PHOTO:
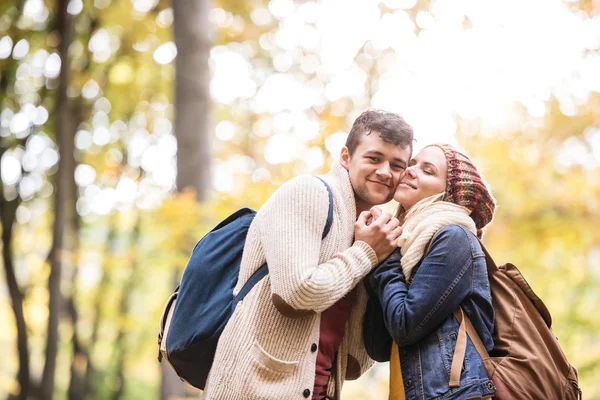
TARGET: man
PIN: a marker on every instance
(298, 333)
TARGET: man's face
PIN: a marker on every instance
(374, 169)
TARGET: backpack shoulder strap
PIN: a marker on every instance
(330, 212)
(489, 261)
(466, 328)
(264, 269)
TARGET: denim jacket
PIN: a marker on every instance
(419, 317)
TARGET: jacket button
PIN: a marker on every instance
(408, 383)
(306, 393)
(490, 385)
(313, 347)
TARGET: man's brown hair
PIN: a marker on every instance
(391, 127)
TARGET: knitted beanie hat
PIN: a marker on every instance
(466, 187)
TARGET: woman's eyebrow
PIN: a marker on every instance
(428, 164)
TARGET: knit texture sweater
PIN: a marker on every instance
(263, 354)
(420, 227)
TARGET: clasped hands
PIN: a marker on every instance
(378, 229)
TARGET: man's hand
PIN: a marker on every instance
(379, 230)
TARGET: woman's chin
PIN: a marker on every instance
(399, 198)
(402, 201)
(400, 204)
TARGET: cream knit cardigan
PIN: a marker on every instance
(263, 354)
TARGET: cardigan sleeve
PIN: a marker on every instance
(291, 227)
(443, 280)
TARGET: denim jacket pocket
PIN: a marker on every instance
(449, 346)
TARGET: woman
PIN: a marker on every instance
(438, 268)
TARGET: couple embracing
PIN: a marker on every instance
(376, 287)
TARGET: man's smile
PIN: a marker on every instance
(380, 183)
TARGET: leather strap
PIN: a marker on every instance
(330, 211)
(466, 328)
(459, 349)
(476, 340)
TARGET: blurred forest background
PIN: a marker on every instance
(128, 128)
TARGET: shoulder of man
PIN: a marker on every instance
(303, 200)
(301, 190)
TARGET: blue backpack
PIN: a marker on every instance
(197, 312)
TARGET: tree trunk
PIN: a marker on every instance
(171, 386)
(61, 252)
(80, 360)
(192, 98)
(192, 105)
(103, 287)
(8, 211)
(120, 348)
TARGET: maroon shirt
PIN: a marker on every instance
(331, 332)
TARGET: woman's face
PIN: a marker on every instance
(424, 177)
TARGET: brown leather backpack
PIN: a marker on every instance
(527, 361)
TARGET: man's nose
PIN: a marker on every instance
(384, 171)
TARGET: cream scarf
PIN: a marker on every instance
(420, 226)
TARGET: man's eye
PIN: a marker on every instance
(375, 159)
(399, 167)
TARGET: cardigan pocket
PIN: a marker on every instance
(269, 377)
(271, 363)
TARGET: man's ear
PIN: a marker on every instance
(345, 158)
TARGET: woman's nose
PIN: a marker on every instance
(409, 172)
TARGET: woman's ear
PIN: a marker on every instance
(345, 158)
